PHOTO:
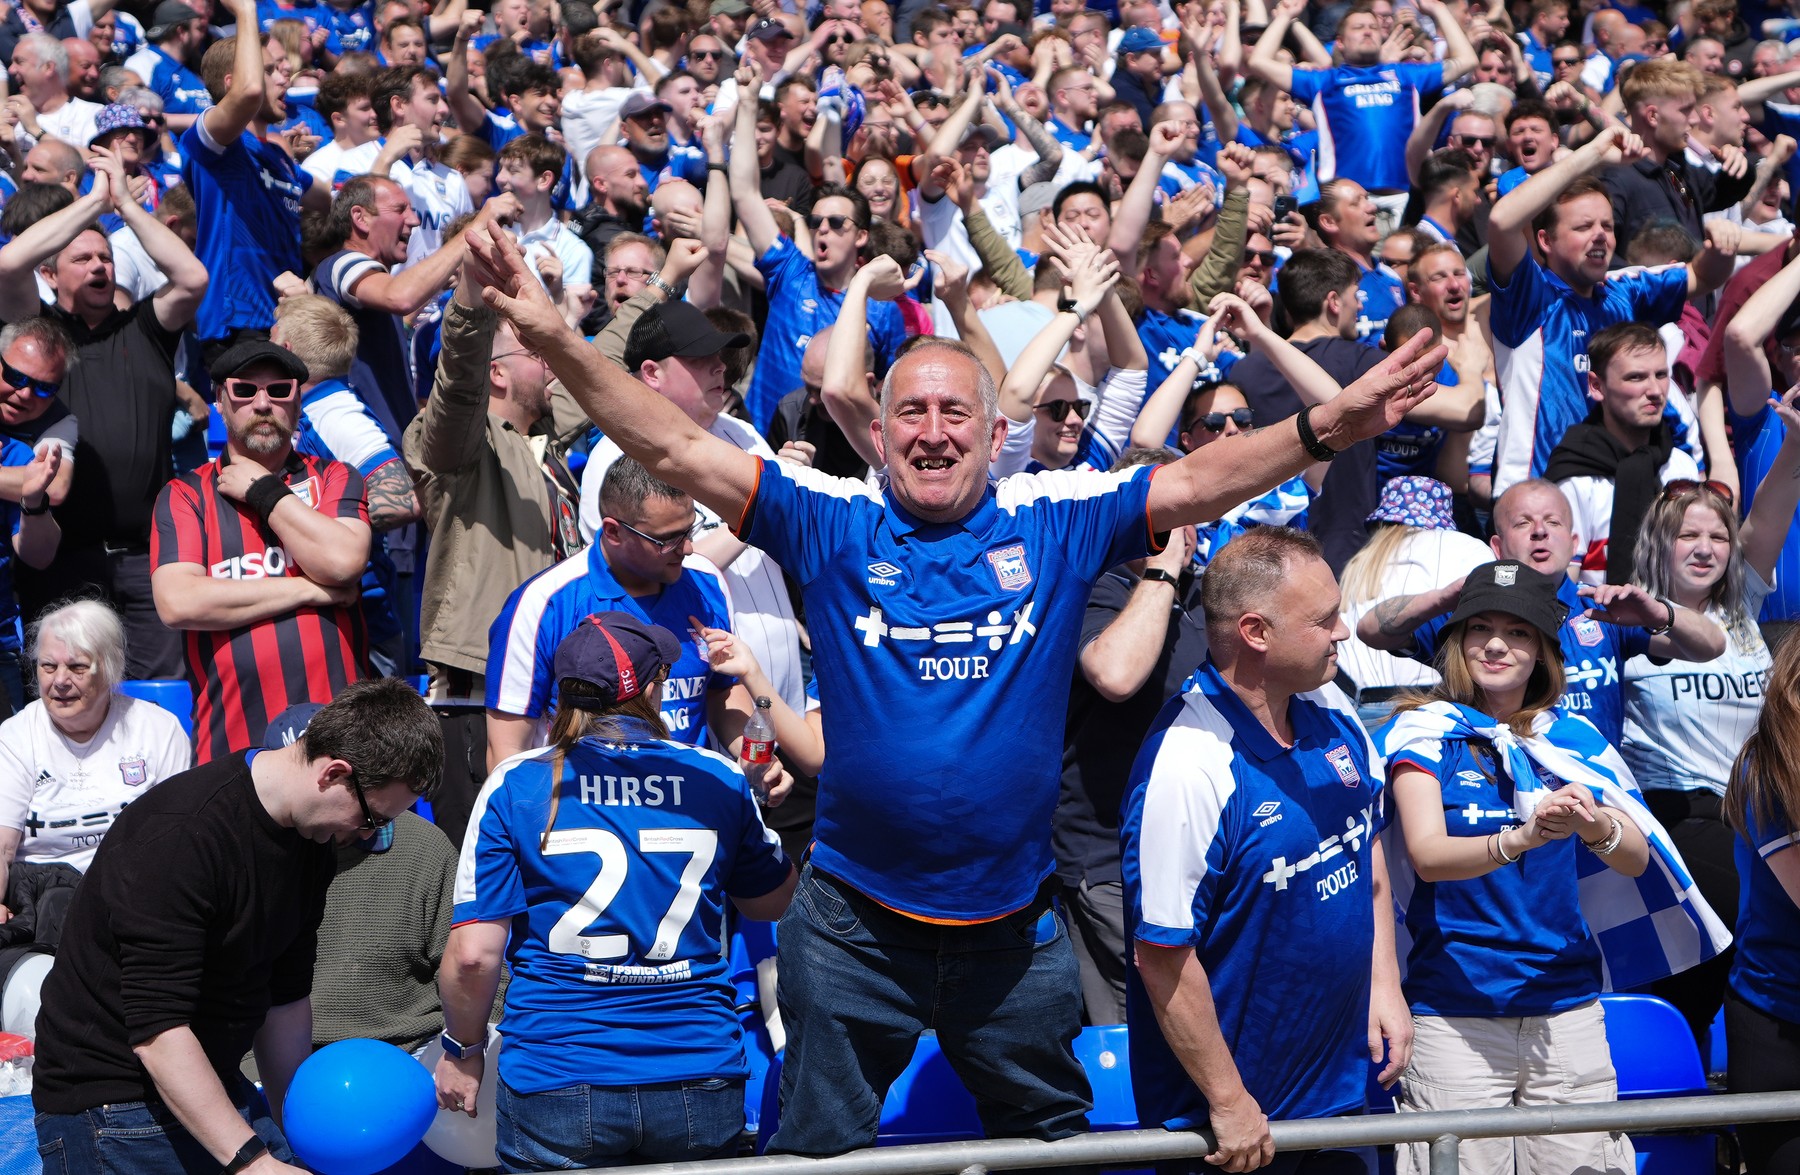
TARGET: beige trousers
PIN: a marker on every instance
(1471, 1063)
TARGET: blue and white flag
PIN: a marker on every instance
(1285, 505)
(1647, 927)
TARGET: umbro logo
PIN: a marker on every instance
(883, 573)
(1267, 813)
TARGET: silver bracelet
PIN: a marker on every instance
(1607, 847)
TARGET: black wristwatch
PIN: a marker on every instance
(1315, 448)
(1158, 575)
(41, 508)
(251, 1151)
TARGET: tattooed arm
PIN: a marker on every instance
(1390, 624)
(392, 501)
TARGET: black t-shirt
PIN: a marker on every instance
(1102, 738)
(198, 910)
(785, 181)
(1351, 490)
(122, 391)
(798, 419)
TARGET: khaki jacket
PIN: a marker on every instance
(484, 493)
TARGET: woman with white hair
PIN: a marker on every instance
(70, 761)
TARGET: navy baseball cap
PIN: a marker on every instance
(286, 730)
(249, 351)
(616, 654)
(768, 30)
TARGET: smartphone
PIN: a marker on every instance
(1284, 206)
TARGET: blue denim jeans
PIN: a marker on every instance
(601, 1126)
(143, 1138)
(859, 983)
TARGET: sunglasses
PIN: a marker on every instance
(1059, 410)
(1265, 256)
(1485, 142)
(246, 389)
(42, 388)
(1565, 61)
(1215, 421)
(707, 54)
(839, 39)
(664, 546)
(371, 822)
(837, 224)
(1680, 486)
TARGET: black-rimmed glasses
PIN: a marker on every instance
(664, 546)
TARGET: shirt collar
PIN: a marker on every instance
(901, 522)
(544, 232)
(608, 594)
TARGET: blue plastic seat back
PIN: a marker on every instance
(1652, 1049)
(929, 1102)
(749, 943)
(1105, 1053)
(1715, 1045)
(172, 694)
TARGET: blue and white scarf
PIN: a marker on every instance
(1647, 927)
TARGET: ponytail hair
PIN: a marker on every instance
(572, 724)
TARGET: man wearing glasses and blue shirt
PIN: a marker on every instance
(642, 562)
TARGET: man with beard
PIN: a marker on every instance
(619, 193)
(257, 556)
(805, 293)
(247, 189)
(176, 36)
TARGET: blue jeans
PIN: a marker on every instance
(143, 1138)
(859, 983)
(600, 1126)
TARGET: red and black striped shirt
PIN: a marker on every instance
(246, 676)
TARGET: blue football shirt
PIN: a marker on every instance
(551, 604)
(799, 308)
(1541, 332)
(618, 973)
(1256, 856)
(1593, 655)
(1379, 293)
(247, 196)
(1509, 943)
(944, 654)
(1755, 440)
(1364, 114)
(1766, 972)
(179, 87)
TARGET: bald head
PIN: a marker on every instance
(675, 195)
(617, 183)
(1607, 24)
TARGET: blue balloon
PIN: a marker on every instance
(357, 1107)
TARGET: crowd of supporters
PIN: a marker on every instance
(1154, 463)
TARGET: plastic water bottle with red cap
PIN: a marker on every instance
(759, 749)
(15, 1065)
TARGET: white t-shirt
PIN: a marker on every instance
(439, 195)
(329, 160)
(761, 612)
(64, 795)
(72, 122)
(1590, 511)
(555, 237)
(586, 115)
(133, 270)
(1686, 720)
(1427, 560)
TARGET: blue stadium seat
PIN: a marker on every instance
(1655, 1056)
(1715, 1045)
(928, 1103)
(215, 434)
(1105, 1053)
(175, 696)
(748, 944)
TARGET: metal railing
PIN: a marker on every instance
(1443, 1130)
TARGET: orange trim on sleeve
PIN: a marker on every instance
(1156, 545)
(744, 518)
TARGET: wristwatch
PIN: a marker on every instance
(1666, 625)
(456, 1050)
(656, 280)
(251, 1151)
(1158, 575)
